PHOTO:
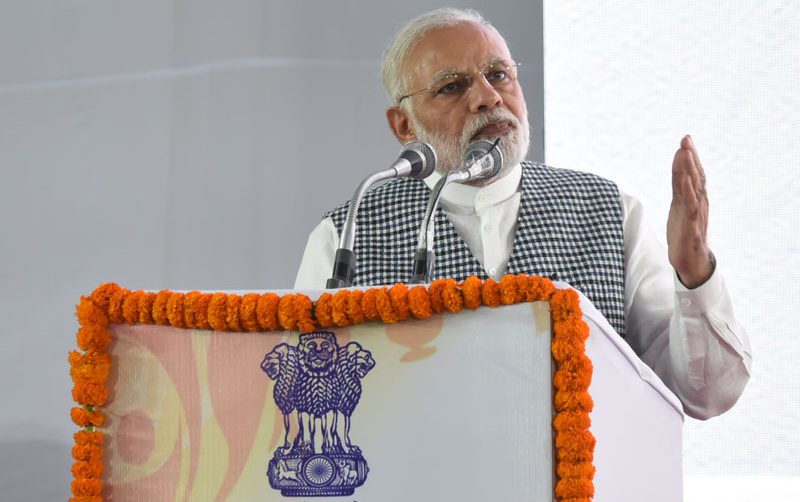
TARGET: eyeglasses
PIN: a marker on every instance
(450, 86)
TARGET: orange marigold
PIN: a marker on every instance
(84, 437)
(577, 470)
(247, 312)
(561, 349)
(267, 311)
(201, 310)
(419, 302)
(398, 295)
(509, 290)
(565, 304)
(575, 446)
(435, 293)
(574, 331)
(232, 314)
(90, 314)
(189, 306)
(102, 295)
(574, 374)
(146, 307)
(536, 289)
(571, 421)
(93, 337)
(90, 393)
(86, 418)
(323, 310)
(92, 366)
(303, 307)
(87, 487)
(369, 304)
(87, 469)
(339, 308)
(384, 306)
(175, 314)
(570, 488)
(490, 293)
(451, 296)
(130, 307)
(115, 305)
(87, 452)
(160, 307)
(354, 311)
(218, 312)
(287, 315)
(471, 289)
(573, 401)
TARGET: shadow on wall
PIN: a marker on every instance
(34, 470)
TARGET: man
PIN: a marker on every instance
(452, 80)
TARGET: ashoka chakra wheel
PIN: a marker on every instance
(319, 470)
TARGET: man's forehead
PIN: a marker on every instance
(458, 48)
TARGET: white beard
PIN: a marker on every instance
(450, 150)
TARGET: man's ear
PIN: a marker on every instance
(400, 124)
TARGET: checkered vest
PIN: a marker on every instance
(569, 228)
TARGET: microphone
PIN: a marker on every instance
(417, 160)
(483, 160)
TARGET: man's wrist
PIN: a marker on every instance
(695, 282)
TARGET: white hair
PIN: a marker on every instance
(408, 36)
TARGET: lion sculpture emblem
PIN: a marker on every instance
(319, 382)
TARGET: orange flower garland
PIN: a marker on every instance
(110, 303)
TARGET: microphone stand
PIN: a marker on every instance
(344, 263)
(486, 165)
(417, 160)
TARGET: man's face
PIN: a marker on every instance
(482, 111)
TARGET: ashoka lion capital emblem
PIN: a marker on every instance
(321, 383)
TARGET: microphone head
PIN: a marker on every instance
(421, 157)
(478, 163)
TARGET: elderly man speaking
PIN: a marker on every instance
(452, 80)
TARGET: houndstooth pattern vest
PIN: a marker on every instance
(569, 229)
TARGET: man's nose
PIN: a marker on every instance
(482, 96)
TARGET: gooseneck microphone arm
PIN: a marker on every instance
(417, 160)
(483, 160)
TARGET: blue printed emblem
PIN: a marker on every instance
(321, 383)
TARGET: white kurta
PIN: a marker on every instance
(690, 338)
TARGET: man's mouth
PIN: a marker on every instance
(492, 130)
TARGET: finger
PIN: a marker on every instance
(677, 172)
(696, 158)
(698, 184)
(682, 168)
(689, 197)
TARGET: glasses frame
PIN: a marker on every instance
(433, 87)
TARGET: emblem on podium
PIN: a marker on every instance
(318, 383)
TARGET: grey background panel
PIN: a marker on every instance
(179, 145)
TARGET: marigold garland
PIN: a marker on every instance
(419, 302)
(354, 310)
(398, 296)
(339, 305)
(175, 313)
(252, 312)
(247, 312)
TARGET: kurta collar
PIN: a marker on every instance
(461, 198)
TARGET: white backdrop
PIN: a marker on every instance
(624, 80)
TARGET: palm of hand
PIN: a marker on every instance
(687, 224)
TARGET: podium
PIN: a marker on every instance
(517, 390)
